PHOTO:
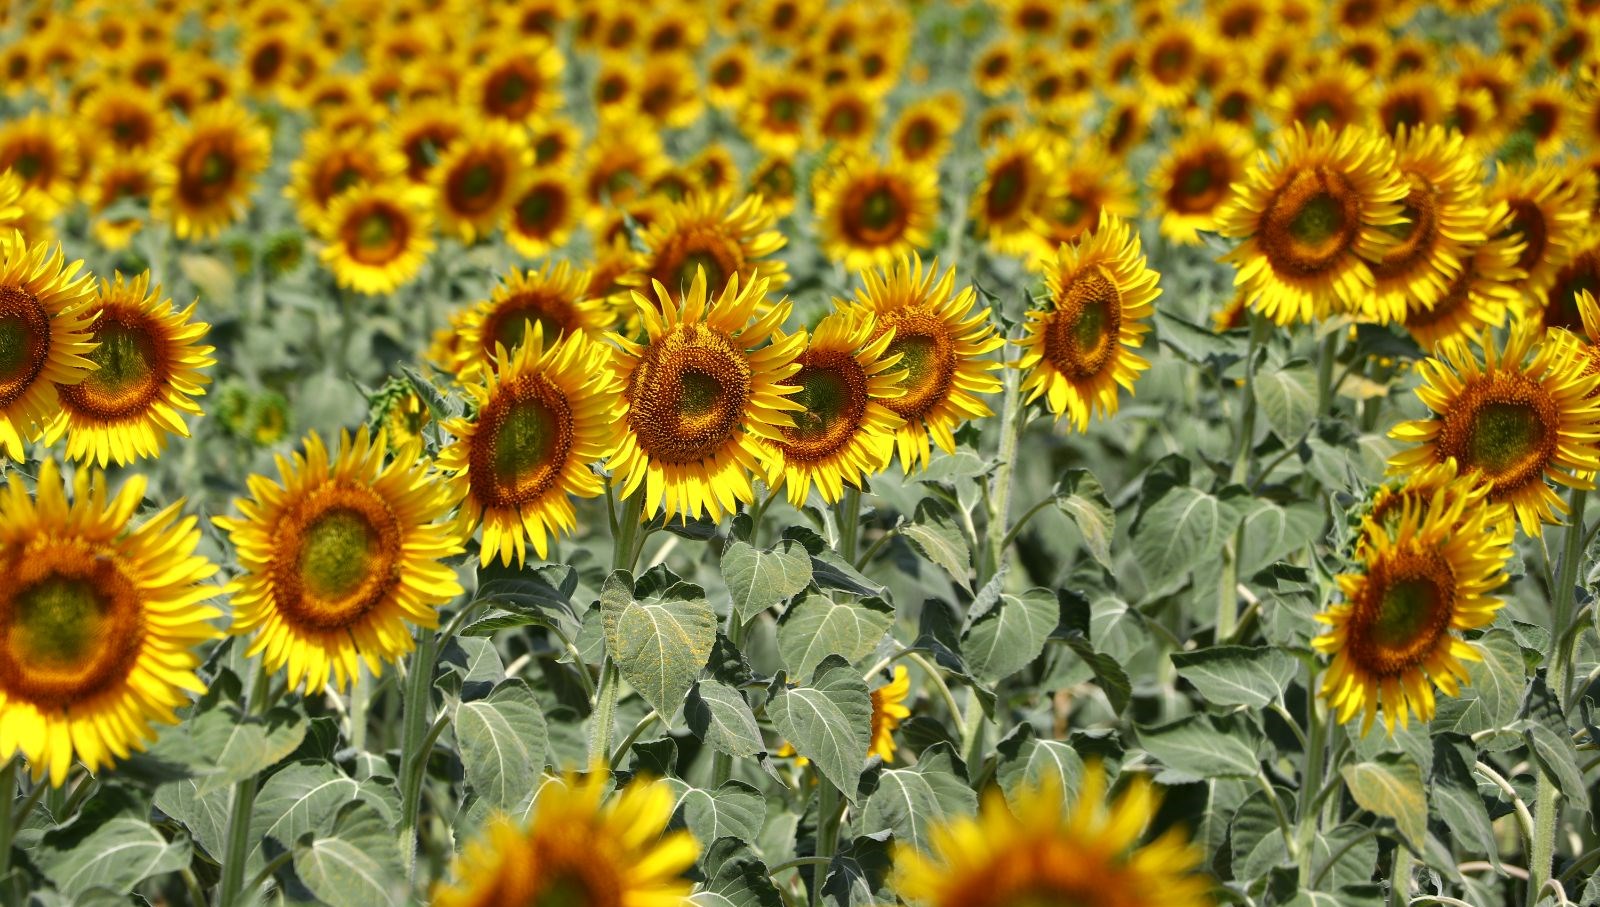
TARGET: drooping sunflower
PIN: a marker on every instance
(207, 171)
(871, 214)
(1390, 639)
(1481, 294)
(1443, 222)
(843, 433)
(1521, 415)
(941, 342)
(519, 84)
(888, 710)
(46, 309)
(1081, 348)
(543, 417)
(579, 849)
(148, 363)
(479, 176)
(98, 620)
(923, 131)
(1016, 178)
(1310, 221)
(542, 218)
(555, 297)
(704, 397)
(1549, 214)
(333, 163)
(377, 236)
(341, 557)
(1043, 853)
(713, 233)
(1196, 178)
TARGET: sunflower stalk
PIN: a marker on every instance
(9, 820)
(830, 809)
(849, 522)
(413, 755)
(237, 847)
(1243, 461)
(1311, 778)
(1013, 417)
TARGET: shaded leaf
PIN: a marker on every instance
(1011, 635)
(1391, 787)
(910, 801)
(719, 715)
(502, 739)
(816, 626)
(1237, 675)
(355, 865)
(1083, 499)
(828, 722)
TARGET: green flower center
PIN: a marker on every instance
(57, 621)
(1319, 219)
(1405, 612)
(1504, 436)
(336, 554)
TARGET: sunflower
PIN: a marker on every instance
(711, 233)
(940, 341)
(777, 112)
(1390, 638)
(1196, 178)
(713, 169)
(1169, 70)
(923, 131)
(775, 180)
(728, 76)
(1085, 184)
(1480, 295)
(543, 416)
(377, 236)
(1414, 101)
(704, 398)
(519, 84)
(844, 432)
(148, 359)
(1441, 486)
(1549, 214)
(424, 132)
(1045, 854)
(992, 72)
(46, 309)
(1081, 348)
(1126, 123)
(871, 214)
(340, 558)
(847, 119)
(124, 117)
(207, 171)
(1311, 219)
(543, 217)
(1579, 275)
(669, 92)
(333, 163)
(555, 142)
(1444, 217)
(555, 297)
(1016, 178)
(112, 180)
(1338, 94)
(1548, 116)
(1236, 101)
(479, 176)
(888, 710)
(1518, 421)
(623, 160)
(44, 152)
(579, 850)
(98, 621)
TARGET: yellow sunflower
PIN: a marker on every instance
(1196, 178)
(1435, 487)
(1519, 421)
(377, 237)
(923, 131)
(871, 214)
(1126, 123)
(479, 176)
(1044, 853)
(579, 849)
(1086, 184)
(711, 232)
(46, 309)
(728, 76)
(44, 152)
(1080, 349)
(208, 169)
(519, 84)
(1549, 116)
(340, 560)
(1413, 102)
(542, 218)
(1581, 273)
(1549, 215)
(776, 180)
(1338, 95)
(124, 117)
(843, 433)
(555, 297)
(1310, 221)
(1390, 638)
(111, 180)
(888, 710)
(623, 160)
(704, 397)
(669, 92)
(1480, 295)
(543, 418)
(1169, 70)
(846, 118)
(331, 164)
(994, 68)
(98, 620)
(148, 362)
(941, 342)
(1016, 178)
(777, 112)
(424, 132)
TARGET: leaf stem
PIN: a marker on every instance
(829, 810)
(797, 862)
(633, 735)
(933, 673)
(418, 699)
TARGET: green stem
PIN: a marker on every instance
(624, 550)
(1325, 360)
(360, 695)
(797, 862)
(1013, 417)
(1546, 804)
(934, 674)
(972, 731)
(605, 712)
(622, 748)
(829, 808)
(1400, 877)
(876, 546)
(418, 701)
(722, 763)
(8, 824)
(1311, 778)
(277, 863)
(849, 522)
(237, 847)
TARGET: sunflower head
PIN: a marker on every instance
(555, 297)
(46, 308)
(208, 170)
(711, 233)
(873, 214)
(377, 237)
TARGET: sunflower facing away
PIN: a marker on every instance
(1390, 638)
(208, 170)
(543, 416)
(941, 342)
(1044, 853)
(147, 374)
(98, 621)
(871, 215)
(844, 432)
(1310, 221)
(1518, 420)
(580, 848)
(46, 309)
(340, 560)
(1081, 348)
(377, 237)
(704, 397)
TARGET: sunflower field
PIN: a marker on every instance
(799, 453)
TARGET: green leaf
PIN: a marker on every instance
(1391, 787)
(911, 801)
(1288, 399)
(859, 873)
(829, 569)
(828, 722)
(304, 797)
(760, 578)
(1494, 695)
(734, 810)
(1546, 731)
(1270, 532)
(1237, 675)
(816, 626)
(1179, 529)
(1255, 838)
(1356, 850)
(719, 715)
(357, 864)
(205, 816)
(1457, 803)
(1011, 635)
(502, 739)
(1199, 345)
(659, 644)
(737, 878)
(248, 745)
(1193, 749)
(1083, 499)
(936, 535)
(1037, 763)
(116, 856)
